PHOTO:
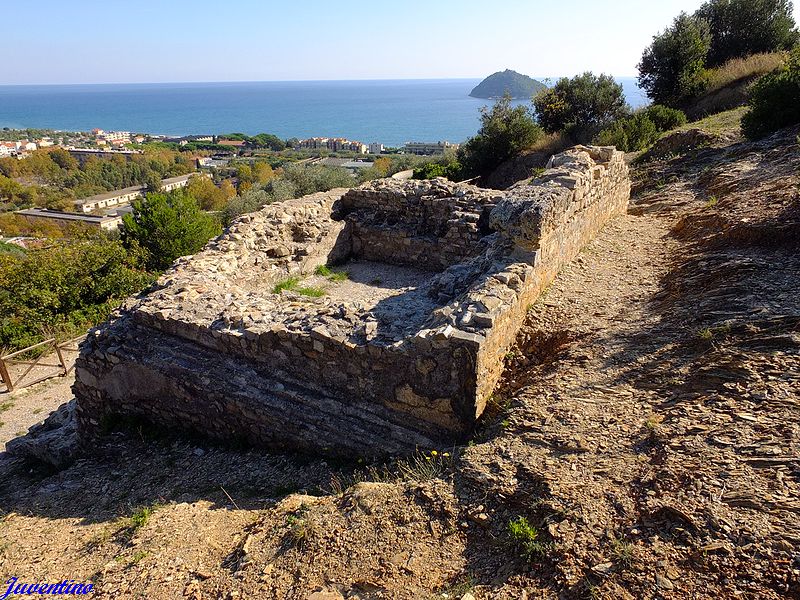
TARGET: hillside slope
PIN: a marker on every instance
(647, 427)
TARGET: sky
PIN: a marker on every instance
(144, 41)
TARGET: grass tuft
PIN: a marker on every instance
(289, 283)
(528, 539)
(622, 552)
(292, 284)
(140, 517)
(326, 271)
(312, 292)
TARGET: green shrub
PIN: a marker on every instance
(64, 289)
(722, 42)
(294, 182)
(168, 226)
(641, 129)
(505, 131)
(447, 167)
(581, 106)
(664, 117)
(527, 539)
(774, 100)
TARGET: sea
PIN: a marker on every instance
(391, 112)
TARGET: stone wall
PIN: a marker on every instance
(428, 224)
(212, 348)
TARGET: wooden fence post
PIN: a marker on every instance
(60, 359)
(6, 377)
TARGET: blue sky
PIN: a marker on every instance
(106, 41)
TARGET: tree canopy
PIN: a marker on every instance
(744, 27)
(505, 131)
(167, 226)
(64, 288)
(673, 68)
(581, 106)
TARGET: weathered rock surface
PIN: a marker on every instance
(55, 441)
(213, 348)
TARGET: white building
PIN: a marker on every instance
(108, 223)
(427, 148)
(112, 138)
(129, 194)
(8, 148)
(375, 148)
(334, 144)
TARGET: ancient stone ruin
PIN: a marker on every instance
(239, 342)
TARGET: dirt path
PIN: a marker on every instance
(645, 443)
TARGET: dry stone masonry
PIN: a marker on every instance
(403, 354)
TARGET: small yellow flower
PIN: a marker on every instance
(434, 453)
(446, 454)
(427, 458)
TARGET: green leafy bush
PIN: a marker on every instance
(64, 289)
(672, 68)
(774, 100)
(641, 129)
(630, 134)
(167, 226)
(505, 131)
(528, 539)
(581, 106)
(296, 181)
(447, 167)
(664, 117)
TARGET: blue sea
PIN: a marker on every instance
(388, 111)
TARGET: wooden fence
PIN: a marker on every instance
(27, 366)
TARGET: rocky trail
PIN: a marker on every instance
(644, 443)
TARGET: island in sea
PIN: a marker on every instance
(508, 81)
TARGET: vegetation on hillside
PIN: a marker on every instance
(505, 131)
(52, 177)
(640, 129)
(679, 64)
(63, 289)
(508, 82)
(581, 106)
(741, 28)
(774, 100)
(293, 182)
(167, 226)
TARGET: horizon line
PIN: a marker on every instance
(539, 78)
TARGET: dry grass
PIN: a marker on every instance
(551, 143)
(739, 69)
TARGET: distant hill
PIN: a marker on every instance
(516, 84)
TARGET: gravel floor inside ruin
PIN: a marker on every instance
(396, 295)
